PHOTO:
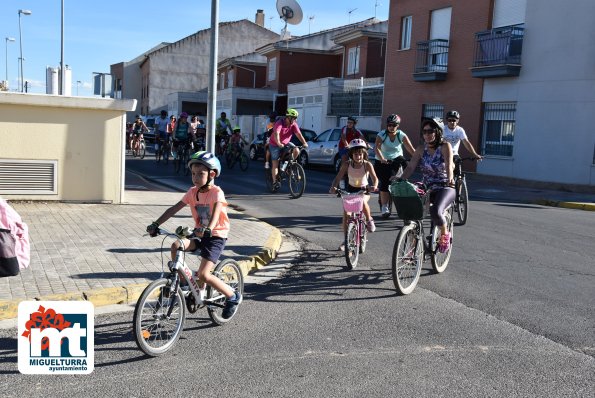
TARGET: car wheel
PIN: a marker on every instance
(252, 153)
(303, 158)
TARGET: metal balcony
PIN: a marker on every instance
(498, 52)
(432, 60)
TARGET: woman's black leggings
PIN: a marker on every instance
(440, 199)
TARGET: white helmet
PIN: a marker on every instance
(358, 143)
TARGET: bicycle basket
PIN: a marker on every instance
(409, 204)
(353, 203)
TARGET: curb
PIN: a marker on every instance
(129, 294)
(567, 205)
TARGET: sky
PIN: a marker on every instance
(98, 34)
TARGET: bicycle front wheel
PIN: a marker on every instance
(297, 180)
(439, 259)
(185, 158)
(462, 202)
(351, 245)
(363, 235)
(407, 259)
(244, 161)
(177, 161)
(158, 318)
(229, 272)
(142, 149)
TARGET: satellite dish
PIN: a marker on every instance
(290, 11)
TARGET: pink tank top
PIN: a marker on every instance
(358, 178)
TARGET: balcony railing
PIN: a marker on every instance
(432, 60)
(498, 52)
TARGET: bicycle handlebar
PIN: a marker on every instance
(340, 192)
(467, 158)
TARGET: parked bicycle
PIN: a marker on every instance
(238, 155)
(462, 199)
(356, 234)
(160, 312)
(181, 157)
(412, 246)
(292, 171)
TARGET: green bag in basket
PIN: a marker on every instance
(407, 200)
(403, 189)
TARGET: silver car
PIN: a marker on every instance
(324, 149)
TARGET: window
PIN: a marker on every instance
(230, 78)
(221, 81)
(498, 129)
(272, 69)
(432, 110)
(406, 32)
(353, 64)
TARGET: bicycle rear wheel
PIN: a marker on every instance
(229, 272)
(462, 202)
(158, 318)
(440, 260)
(351, 245)
(297, 180)
(407, 258)
(268, 178)
(244, 161)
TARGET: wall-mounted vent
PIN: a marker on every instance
(29, 177)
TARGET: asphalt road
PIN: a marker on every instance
(511, 316)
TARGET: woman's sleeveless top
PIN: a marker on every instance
(433, 167)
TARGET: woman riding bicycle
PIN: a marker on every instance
(435, 159)
(181, 133)
(138, 128)
(389, 157)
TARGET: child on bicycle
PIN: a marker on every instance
(236, 140)
(359, 171)
(209, 210)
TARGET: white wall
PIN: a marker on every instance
(555, 95)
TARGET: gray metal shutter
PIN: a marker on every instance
(440, 24)
(509, 12)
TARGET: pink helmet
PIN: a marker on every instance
(357, 143)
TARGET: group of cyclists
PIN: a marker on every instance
(434, 155)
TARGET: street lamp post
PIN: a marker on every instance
(24, 12)
(77, 87)
(7, 40)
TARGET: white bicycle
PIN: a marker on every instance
(160, 312)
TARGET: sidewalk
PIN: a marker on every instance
(97, 252)
(482, 187)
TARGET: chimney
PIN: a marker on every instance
(259, 18)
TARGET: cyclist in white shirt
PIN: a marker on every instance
(455, 134)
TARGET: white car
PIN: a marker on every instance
(324, 149)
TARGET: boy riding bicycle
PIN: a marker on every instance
(209, 210)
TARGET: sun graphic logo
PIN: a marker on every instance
(56, 337)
